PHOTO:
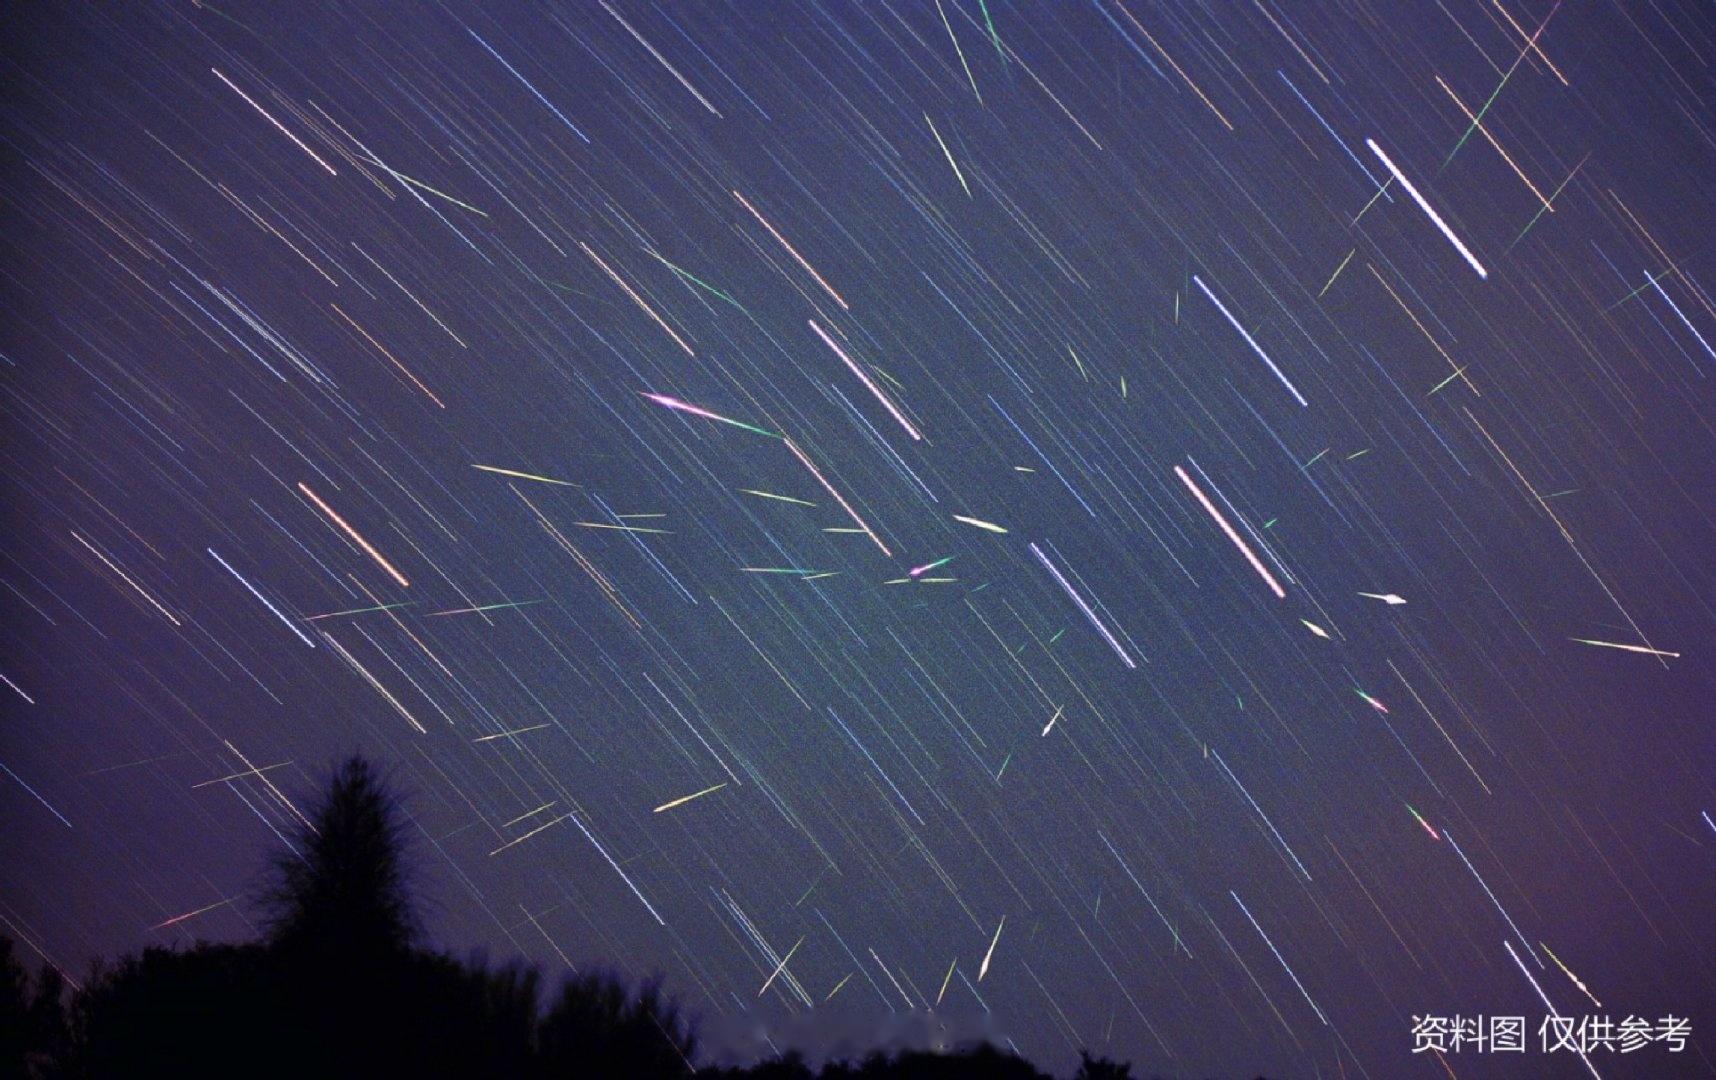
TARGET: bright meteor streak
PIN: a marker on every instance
(983, 969)
(486, 607)
(1420, 819)
(526, 476)
(986, 526)
(636, 299)
(844, 505)
(687, 798)
(780, 967)
(778, 498)
(265, 601)
(680, 406)
(360, 611)
(1493, 899)
(296, 141)
(1628, 648)
(127, 579)
(809, 269)
(623, 875)
(1238, 541)
(1084, 607)
(1545, 998)
(1425, 206)
(1050, 725)
(354, 534)
(1255, 347)
(865, 379)
(1256, 926)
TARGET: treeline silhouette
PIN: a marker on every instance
(342, 985)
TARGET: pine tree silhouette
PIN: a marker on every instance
(343, 891)
(342, 986)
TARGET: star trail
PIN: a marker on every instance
(1022, 520)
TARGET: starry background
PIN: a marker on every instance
(326, 338)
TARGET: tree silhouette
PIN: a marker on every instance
(14, 1014)
(342, 987)
(33, 1034)
(597, 1028)
(982, 1061)
(343, 891)
(208, 1011)
(1101, 1068)
(341, 936)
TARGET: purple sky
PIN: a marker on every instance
(952, 670)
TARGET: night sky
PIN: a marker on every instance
(1184, 530)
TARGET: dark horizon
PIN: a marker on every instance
(341, 981)
(1180, 531)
